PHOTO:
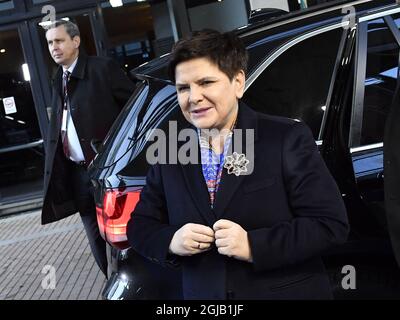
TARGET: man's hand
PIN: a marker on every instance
(191, 239)
(232, 241)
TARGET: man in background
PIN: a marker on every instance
(88, 93)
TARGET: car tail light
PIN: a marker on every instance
(113, 217)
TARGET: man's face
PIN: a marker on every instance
(63, 49)
(208, 99)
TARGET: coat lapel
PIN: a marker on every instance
(197, 187)
(57, 82)
(77, 74)
(57, 96)
(194, 179)
(247, 119)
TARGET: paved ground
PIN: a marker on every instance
(30, 254)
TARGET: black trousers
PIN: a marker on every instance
(84, 200)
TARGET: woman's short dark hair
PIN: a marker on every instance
(225, 50)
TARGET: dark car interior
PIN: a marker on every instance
(380, 84)
(296, 84)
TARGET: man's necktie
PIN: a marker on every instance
(64, 129)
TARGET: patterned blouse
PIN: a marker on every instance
(212, 165)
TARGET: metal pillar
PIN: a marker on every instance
(179, 18)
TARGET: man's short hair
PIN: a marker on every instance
(225, 50)
(70, 27)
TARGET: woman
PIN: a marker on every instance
(238, 233)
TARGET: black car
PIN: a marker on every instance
(335, 68)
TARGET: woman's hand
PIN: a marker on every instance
(191, 239)
(232, 241)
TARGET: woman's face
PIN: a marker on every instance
(208, 99)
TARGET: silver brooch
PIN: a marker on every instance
(236, 164)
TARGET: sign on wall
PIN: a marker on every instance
(279, 4)
(9, 105)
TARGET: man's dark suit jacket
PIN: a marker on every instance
(98, 90)
(392, 174)
(290, 206)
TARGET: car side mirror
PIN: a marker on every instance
(95, 145)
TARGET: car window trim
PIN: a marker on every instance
(378, 15)
(367, 147)
(342, 45)
(305, 16)
(360, 71)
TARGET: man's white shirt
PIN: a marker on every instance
(74, 145)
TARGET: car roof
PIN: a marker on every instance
(323, 13)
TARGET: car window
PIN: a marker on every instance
(148, 106)
(260, 45)
(296, 84)
(380, 81)
(138, 162)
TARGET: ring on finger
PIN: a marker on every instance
(199, 245)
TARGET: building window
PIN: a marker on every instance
(18, 123)
(6, 5)
(130, 33)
